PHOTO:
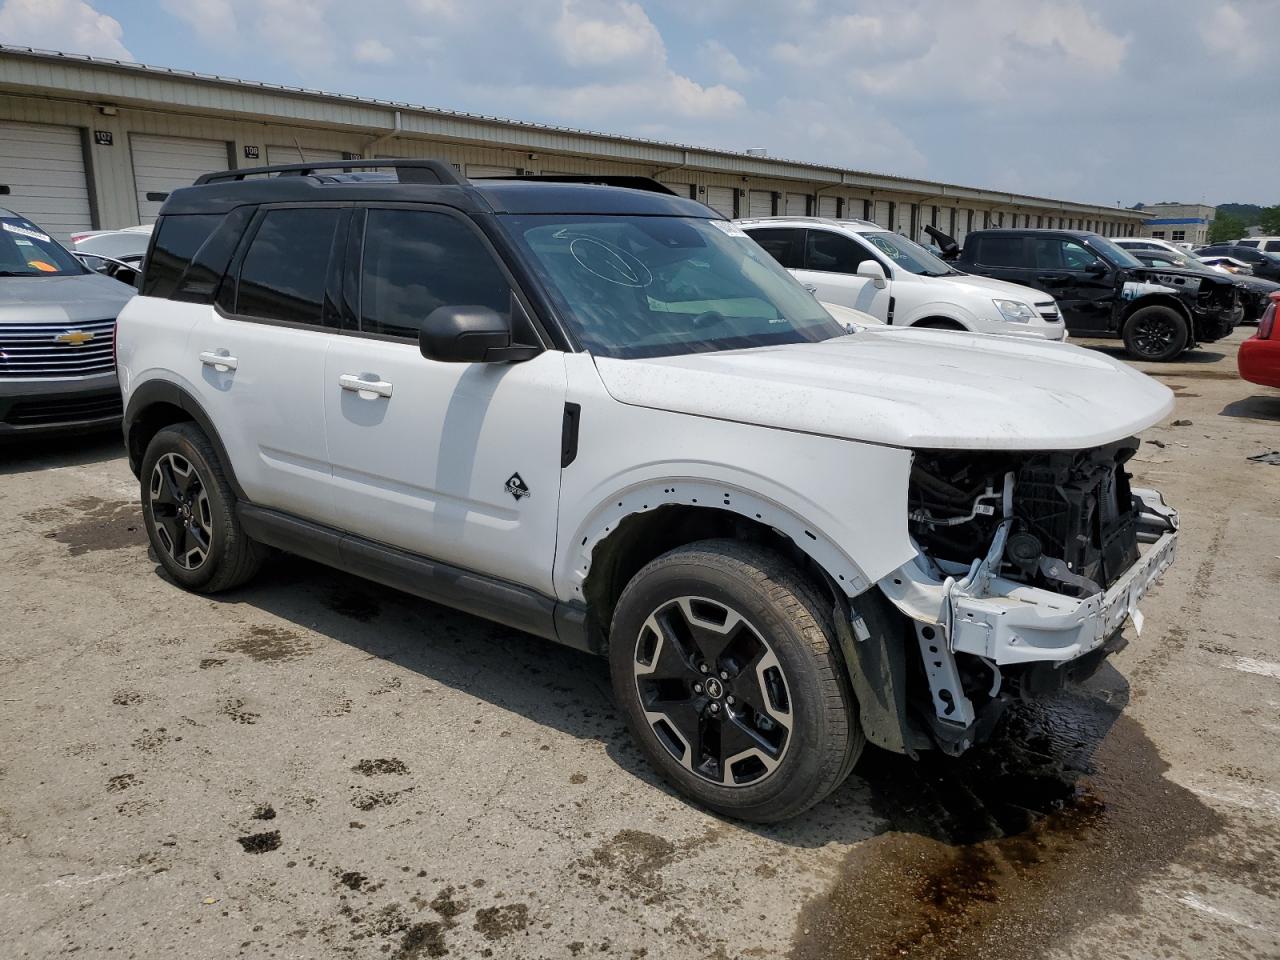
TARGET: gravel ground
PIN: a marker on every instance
(319, 767)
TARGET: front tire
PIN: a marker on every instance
(727, 671)
(1155, 334)
(189, 511)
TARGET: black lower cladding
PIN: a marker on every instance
(1074, 507)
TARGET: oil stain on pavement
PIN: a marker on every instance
(89, 524)
(999, 853)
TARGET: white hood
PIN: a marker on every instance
(907, 388)
(991, 287)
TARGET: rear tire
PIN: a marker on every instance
(1156, 334)
(725, 665)
(189, 511)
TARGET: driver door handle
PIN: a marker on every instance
(371, 388)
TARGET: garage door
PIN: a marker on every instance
(161, 164)
(480, 171)
(882, 214)
(720, 199)
(827, 207)
(797, 205)
(679, 189)
(43, 167)
(760, 203)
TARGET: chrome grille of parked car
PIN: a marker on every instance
(56, 349)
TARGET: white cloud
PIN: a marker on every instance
(1233, 35)
(722, 62)
(593, 33)
(372, 51)
(297, 30)
(70, 26)
(213, 20)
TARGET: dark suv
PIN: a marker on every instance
(1264, 264)
(1104, 291)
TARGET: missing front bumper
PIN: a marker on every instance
(1010, 623)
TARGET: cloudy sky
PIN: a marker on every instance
(1099, 100)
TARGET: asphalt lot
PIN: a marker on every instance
(319, 767)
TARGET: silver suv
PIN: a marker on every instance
(57, 335)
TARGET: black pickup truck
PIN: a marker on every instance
(1103, 290)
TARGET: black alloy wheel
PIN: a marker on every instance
(726, 667)
(713, 691)
(1156, 334)
(189, 510)
(180, 507)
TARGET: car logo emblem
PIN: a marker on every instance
(74, 338)
(516, 487)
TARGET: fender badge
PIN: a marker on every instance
(516, 487)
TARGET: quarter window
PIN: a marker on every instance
(285, 270)
(416, 261)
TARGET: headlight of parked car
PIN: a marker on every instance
(1015, 310)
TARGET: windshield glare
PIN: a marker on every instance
(657, 286)
(27, 251)
(908, 255)
(1118, 255)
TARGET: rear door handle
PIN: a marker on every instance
(219, 361)
(368, 389)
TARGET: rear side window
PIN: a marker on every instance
(1001, 252)
(1272, 246)
(417, 260)
(286, 268)
(1249, 243)
(784, 245)
(177, 240)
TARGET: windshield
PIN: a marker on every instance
(1119, 256)
(27, 251)
(658, 286)
(908, 255)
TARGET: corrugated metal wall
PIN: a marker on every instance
(114, 185)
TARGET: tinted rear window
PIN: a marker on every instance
(177, 240)
(1000, 252)
(286, 267)
(783, 244)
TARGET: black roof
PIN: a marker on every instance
(430, 182)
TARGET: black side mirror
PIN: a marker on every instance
(470, 334)
(1096, 269)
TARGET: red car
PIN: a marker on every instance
(1260, 355)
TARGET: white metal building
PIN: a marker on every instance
(89, 142)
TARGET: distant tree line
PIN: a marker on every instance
(1233, 221)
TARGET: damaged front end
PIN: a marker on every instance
(1028, 566)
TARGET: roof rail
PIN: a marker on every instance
(602, 179)
(418, 171)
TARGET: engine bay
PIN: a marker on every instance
(1074, 520)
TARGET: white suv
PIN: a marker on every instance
(858, 264)
(605, 416)
(1265, 244)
